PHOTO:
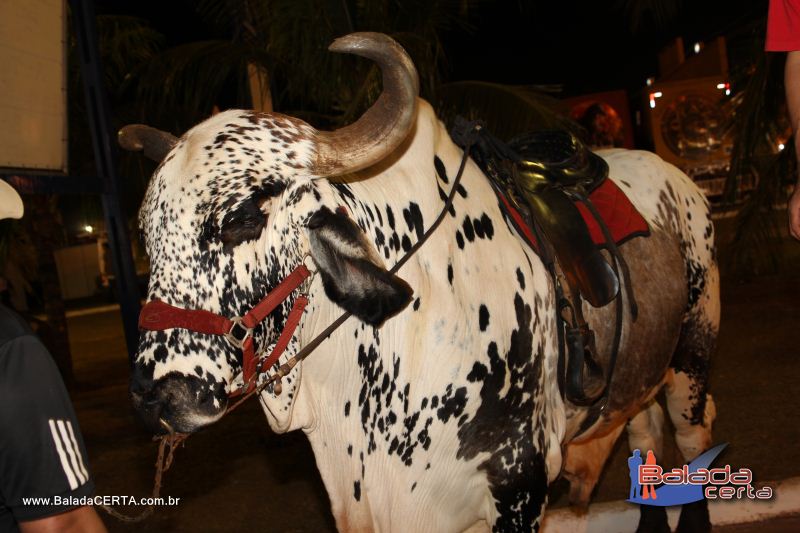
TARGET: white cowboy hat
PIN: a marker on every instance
(10, 202)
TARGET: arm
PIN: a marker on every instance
(792, 82)
(41, 448)
(78, 520)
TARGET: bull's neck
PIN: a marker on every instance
(376, 409)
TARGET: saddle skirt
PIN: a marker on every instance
(619, 214)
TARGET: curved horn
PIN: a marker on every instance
(156, 144)
(384, 125)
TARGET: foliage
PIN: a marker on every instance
(125, 43)
(757, 125)
(507, 110)
(288, 39)
(646, 14)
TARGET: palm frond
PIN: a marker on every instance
(289, 40)
(644, 15)
(125, 42)
(507, 110)
(190, 79)
(757, 125)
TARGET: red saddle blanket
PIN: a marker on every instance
(623, 220)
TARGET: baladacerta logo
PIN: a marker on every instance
(652, 485)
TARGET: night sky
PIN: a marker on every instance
(585, 46)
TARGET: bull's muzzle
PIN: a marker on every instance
(177, 403)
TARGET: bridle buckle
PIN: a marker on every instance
(238, 340)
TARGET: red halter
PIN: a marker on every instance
(158, 316)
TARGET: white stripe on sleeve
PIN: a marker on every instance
(77, 449)
(73, 483)
(70, 452)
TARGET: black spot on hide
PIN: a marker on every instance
(504, 428)
(483, 317)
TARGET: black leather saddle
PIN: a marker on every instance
(542, 174)
(555, 158)
(555, 169)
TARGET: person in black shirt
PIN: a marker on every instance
(43, 463)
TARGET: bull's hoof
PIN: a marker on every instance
(652, 519)
(694, 518)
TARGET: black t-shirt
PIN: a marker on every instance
(42, 454)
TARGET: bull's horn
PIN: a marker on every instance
(156, 144)
(384, 125)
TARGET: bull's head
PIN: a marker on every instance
(235, 205)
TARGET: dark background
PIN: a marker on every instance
(587, 46)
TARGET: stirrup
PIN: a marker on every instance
(585, 382)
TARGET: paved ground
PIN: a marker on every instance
(786, 524)
(237, 475)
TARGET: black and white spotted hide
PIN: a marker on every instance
(230, 212)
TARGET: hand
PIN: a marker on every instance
(794, 212)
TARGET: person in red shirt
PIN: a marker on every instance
(783, 35)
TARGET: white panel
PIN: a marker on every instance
(33, 113)
(78, 270)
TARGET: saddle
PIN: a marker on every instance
(542, 176)
(554, 169)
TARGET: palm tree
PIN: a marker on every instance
(282, 44)
(759, 125)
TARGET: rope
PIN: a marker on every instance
(166, 454)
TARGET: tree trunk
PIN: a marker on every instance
(260, 94)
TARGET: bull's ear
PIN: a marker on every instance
(351, 271)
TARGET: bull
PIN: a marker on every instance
(435, 407)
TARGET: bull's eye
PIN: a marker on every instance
(244, 223)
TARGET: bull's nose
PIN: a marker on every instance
(177, 402)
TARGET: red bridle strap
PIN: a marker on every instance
(277, 295)
(158, 316)
(286, 335)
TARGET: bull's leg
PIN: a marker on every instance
(646, 432)
(692, 411)
(690, 406)
(583, 464)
